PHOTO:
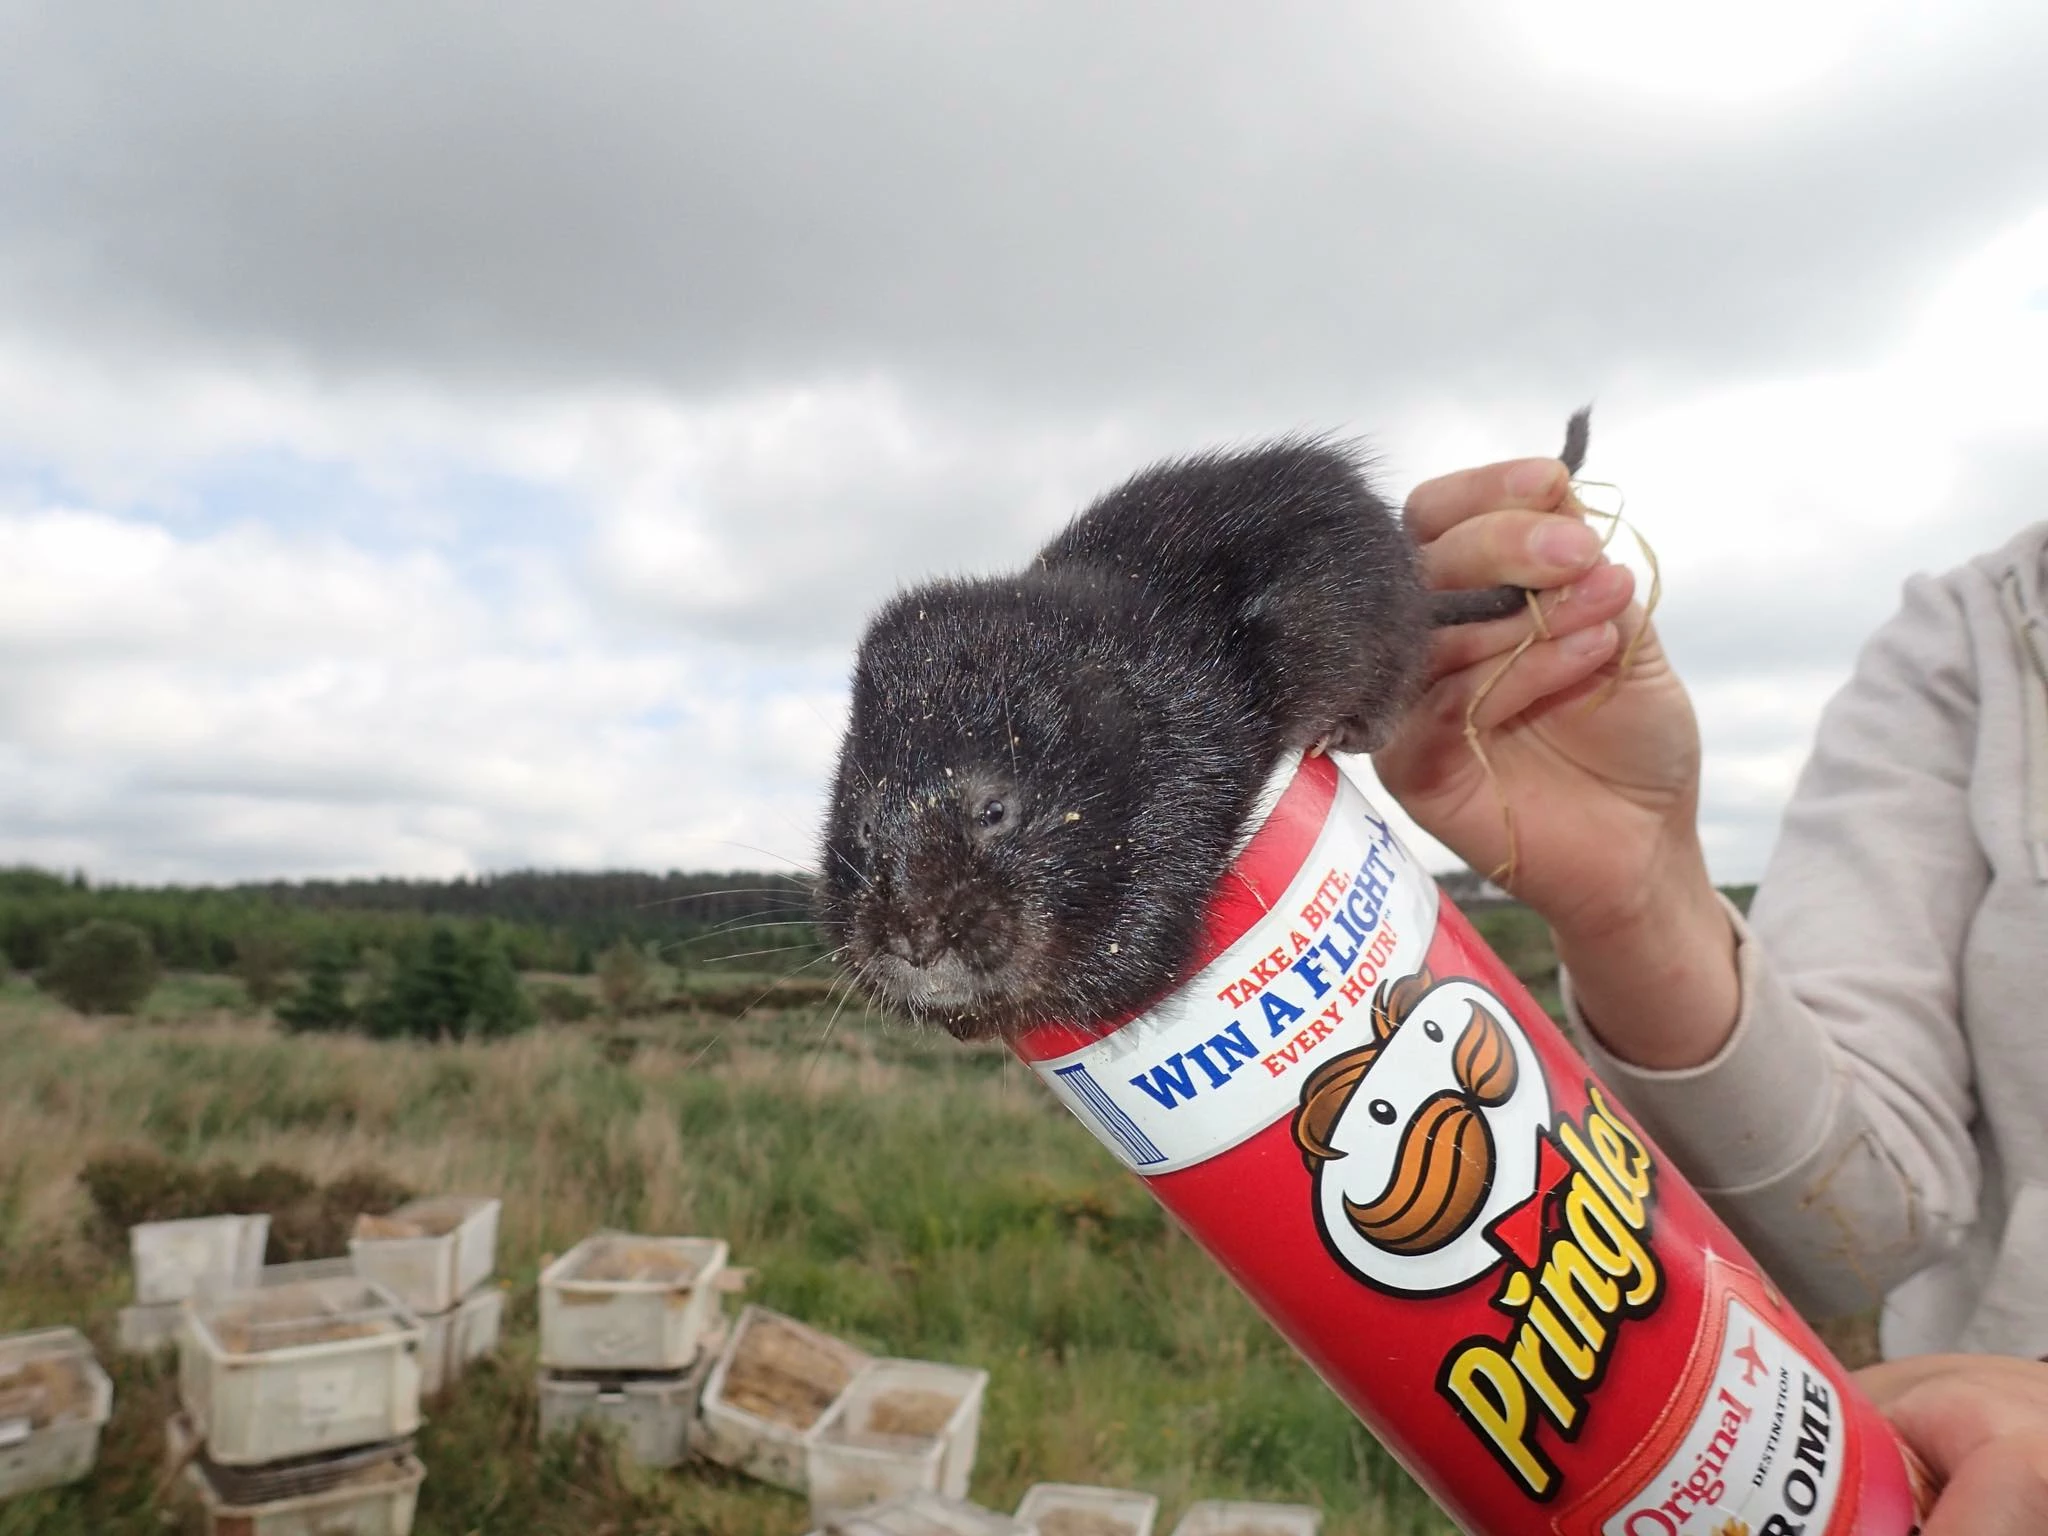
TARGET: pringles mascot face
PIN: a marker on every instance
(1422, 1139)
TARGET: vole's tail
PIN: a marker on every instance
(1475, 604)
(1480, 603)
(1576, 432)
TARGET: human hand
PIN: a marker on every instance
(1980, 1425)
(1597, 765)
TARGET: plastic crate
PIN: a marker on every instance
(617, 1302)
(1223, 1517)
(652, 1412)
(1076, 1509)
(923, 1514)
(314, 1359)
(431, 1253)
(54, 1399)
(901, 1425)
(177, 1259)
(466, 1331)
(773, 1384)
(143, 1330)
(250, 1486)
(377, 1498)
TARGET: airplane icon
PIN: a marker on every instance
(1755, 1361)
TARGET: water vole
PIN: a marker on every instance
(1045, 774)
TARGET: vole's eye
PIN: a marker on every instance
(993, 814)
(1381, 1111)
(864, 833)
(1434, 1030)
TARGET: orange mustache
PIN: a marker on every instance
(1439, 1179)
(1444, 1164)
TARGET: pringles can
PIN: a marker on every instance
(1367, 1121)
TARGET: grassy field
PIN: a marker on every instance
(911, 1195)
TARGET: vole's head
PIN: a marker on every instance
(978, 849)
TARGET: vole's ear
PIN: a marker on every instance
(1103, 705)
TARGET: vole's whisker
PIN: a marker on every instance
(866, 880)
(768, 853)
(784, 980)
(754, 954)
(824, 1040)
(787, 917)
(736, 890)
(679, 946)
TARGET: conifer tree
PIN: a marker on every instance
(321, 1002)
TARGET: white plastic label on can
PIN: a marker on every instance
(1223, 1058)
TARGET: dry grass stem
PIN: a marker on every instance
(1503, 874)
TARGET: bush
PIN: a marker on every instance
(560, 1003)
(318, 1225)
(101, 966)
(262, 960)
(307, 1220)
(127, 1188)
(623, 977)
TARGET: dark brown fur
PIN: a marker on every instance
(1045, 774)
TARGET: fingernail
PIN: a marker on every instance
(1586, 642)
(1533, 477)
(1565, 543)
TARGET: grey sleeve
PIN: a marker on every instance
(1832, 1131)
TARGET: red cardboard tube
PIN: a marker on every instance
(1369, 1123)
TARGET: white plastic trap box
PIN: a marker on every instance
(1076, 1509)
(177, 1259)
(901, 1425)
(774, 1382)
(144, 1330)
(652, 1413)
(616, 1302)
(451, 1340)
(54, 1399)
(378, 1499)
(430, 1253)
(923, 1514)
(316, 1358)
(1222, 1517)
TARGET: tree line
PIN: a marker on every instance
(423, 959)
(560, 921)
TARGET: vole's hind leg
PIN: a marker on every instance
(1367, 731)
(1372, 708)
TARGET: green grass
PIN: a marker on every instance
(184, 995)
(912, 1195)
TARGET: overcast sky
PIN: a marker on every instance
(442, 438)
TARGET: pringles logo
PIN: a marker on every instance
(1434, 1161)
(1418, 1140)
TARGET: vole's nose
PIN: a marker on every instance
(920, 942)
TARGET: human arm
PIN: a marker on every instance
(1597, 804)
(1832, 1129)
(1815, 1087)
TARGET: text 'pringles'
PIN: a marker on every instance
(1592, 1270)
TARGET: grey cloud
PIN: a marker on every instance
(1070, 238)
(1215, 208)
(1758, 618)
(791, 563)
